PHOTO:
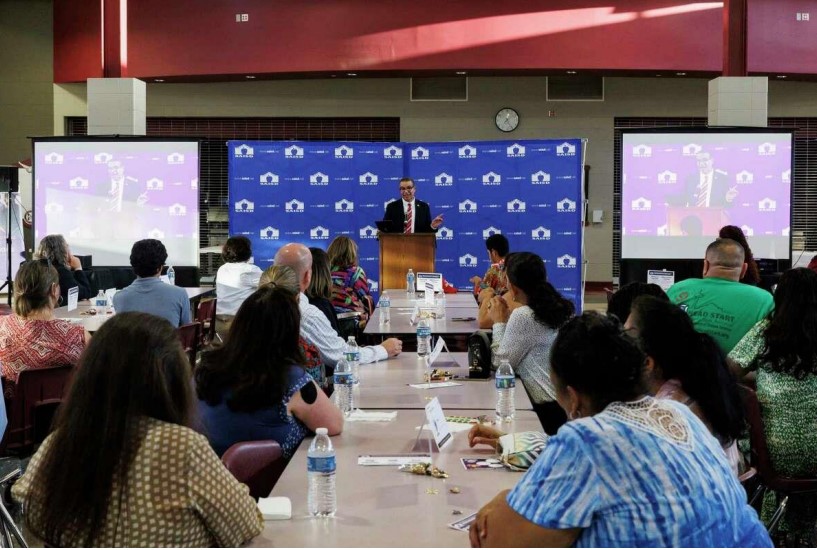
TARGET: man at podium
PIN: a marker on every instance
(409, 215)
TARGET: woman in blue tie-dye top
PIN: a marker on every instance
(626, 470)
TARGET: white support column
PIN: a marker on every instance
(739, 101)
(117, 106)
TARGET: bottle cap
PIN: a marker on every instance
(321, 431)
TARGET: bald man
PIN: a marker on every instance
(315, 327)
(719, 304)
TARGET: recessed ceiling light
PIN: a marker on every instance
(681, 74)
(351, 74)
(159, 80)
(461, 72)
(249, 76)
(334, 76)
(571, 72)
(659, 75)
(781, 76)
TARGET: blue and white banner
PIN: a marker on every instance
(310, 192)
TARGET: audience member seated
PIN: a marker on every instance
(718, 304)
(319, 292)
(148, 293)
(236, 279)
(31, 338)
(525, 336)
(627, 470)
(494, 278)
(782, 351)
(350, 289)
(123, 466)
(485, 295)
(621, 302)
(284, 277)
(255, 387)
(812, 265)
(315, 327)
(687, 366)
(55, 249)
(752, 275)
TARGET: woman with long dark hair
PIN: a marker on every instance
(123, 466)
(782, 350)
(524, 336)
(752, 275)
(319, 291)
(254, 386)
(687, 366)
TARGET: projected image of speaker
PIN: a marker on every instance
(105, 194)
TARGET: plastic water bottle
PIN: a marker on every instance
(171, 275)
(410, 284)
(385, 308)
(423, 338)
(505, 387)
(320, 465)
(101, 303)
(344, 381)
(352, 353)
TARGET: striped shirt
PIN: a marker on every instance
(644, 473)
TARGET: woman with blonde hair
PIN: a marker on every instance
(319, 292)
(350, 289)
(55, 249)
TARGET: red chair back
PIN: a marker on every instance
(34, 402)
(206, 315)
(258, 464)
(190, 335)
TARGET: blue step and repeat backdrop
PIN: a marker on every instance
(310, 192)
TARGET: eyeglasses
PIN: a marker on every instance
(406, 188)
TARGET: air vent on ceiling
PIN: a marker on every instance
(575, 88)
(439, 88)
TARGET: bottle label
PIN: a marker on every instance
(352, 356)
(321, 464)
(505, 382)
(385, 303)
(342, 378)
(423, 332)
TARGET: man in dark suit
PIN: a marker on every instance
(708, 187)
(409, 215)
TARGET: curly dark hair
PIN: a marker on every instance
(752, 275)
(527, 272)
(237, 249)
(147, 257)
(791, 336)
(621, 302)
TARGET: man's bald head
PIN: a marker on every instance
(299, 258)
(725, 260)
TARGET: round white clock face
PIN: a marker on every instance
(507, 119)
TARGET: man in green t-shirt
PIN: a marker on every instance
(718, 304)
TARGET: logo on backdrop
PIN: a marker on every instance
(294, 152)
(344, 152)
(318, 178)
(368, 232)
(467, 152)
(269, 233)
(392, 152)
(294, 206)
(175, 158)
(344, 205)
(641, 204)
(102, 158)
(243, 152)
(766, 149)
(786, 176)
(691, 149)
(491, 178)
(540, 178)
(490, 231)
(540, 234)
(368, 179)
(53, 208)
(516, 206)
(443, 180)
(374, 286)
(78, 183)
(748, 231)
(767, 205)
(468, 261)
(319, 232)
(268, 179)
(666, 177)
(244, 206)
(177, 209)
(515, 151)
(566, 205)
(566, 261)
(468, 206)
(155, 184)
(744, 177)
(419, 153)
(156, 234)
(53, 158)
(642, 151)
(445, 234)
(566, 150)
(194, 183)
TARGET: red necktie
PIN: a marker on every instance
(407, 228)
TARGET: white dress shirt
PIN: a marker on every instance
(315, 329)
(413, 214)
(235, 281)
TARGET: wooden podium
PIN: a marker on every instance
(400, 252)
(700, 220)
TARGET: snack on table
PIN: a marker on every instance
(423, 469)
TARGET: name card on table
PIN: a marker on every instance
(73, 298)
(429, 293)
(662, 278)
(436, 351)
(436, 421)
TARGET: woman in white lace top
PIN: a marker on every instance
(524, 336)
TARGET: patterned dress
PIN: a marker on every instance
(349, 289)
(35, 344)
(638, 474)
(494, 278)
(177, 493)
